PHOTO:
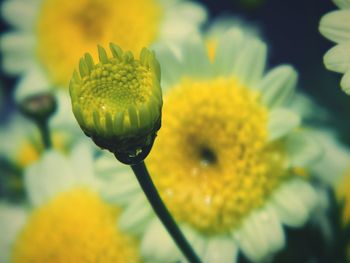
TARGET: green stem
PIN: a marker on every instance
(45, 134)
(162, 212)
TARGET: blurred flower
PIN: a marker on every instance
(229, 160)
(67, 220)
(51, 35)
(336, 27)
(22, 144)
(118, 101)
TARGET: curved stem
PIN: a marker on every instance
(162, 212)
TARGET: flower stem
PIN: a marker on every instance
(153, 197)
(45, 134)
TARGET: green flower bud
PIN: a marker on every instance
(38, 107)
(118, 101)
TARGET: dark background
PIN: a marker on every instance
(291, 30)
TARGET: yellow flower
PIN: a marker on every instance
(67, 220)
(51, 35)
(224, 161)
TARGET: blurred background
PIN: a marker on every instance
(290, 27)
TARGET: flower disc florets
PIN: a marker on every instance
(118, 101)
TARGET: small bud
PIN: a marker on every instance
(118, 101)
(38, 107)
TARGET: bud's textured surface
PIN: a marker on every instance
(118, 101)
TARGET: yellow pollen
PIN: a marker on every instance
(67, 29)
(76, 226)
(211, 161)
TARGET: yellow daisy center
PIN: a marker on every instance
(211, 161)
(76, 226)
(67, 29)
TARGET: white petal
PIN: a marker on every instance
(250, 241)
(220, 249)
(338, 58)
(281, 122)
(81, 160)
(195, 58)
(228, 48)
(136, 216)
(34, 81)
(345, 82)
(18, 52)
(335, 160)
(271, 229)
(64, 117)
(21, 14)
(12, 219)
(278, 85)
(303, 150)
(250, 63)
(182, 19)
(290, 205)
(336, 26)
(170, 65)
(51, 174)
(157, 245)
(197, 241)
(342, 3)
(307, 193)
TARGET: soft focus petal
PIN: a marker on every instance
(281, 122)
(345, 82)
(12, 219)
(303, 150)
(336, 26)
(292, 202)
(278, 85)
(228, 47)
(338, 58)
(20, 13)
(342, 3)
(250, 63)
(157, 245)
(220, 249)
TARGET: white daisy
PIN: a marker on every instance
(50, 35)
(229, 158)
(66, 220)
(336, 27)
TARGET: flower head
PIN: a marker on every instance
(66, 220)
(335, 27)
(118, 101)
(50, 36)
(227, 161)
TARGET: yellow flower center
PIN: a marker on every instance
(211, 161)
(76, 226)
(67, 29)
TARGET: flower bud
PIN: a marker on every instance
(118, 101)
